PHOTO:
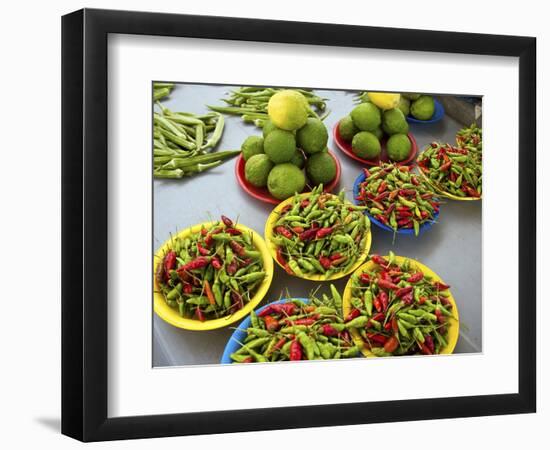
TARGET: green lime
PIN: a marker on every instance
(321, 168)
(285, 180)
(366, 145)
(398, 147)
(347, 129)
(252, 145)
(280, 146)
(257, 170)
(313, 136)
(366, 116)
(393, 121)
(423, 108)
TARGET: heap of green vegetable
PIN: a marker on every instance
(161, 90)
(470, 138)
(182, 141)
(251, 104)
(320, 234)
(397, 198)
(452, 170)
(399, 310)
(295, 330)
(211, 273)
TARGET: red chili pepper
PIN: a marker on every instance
(445, 166)
(404, 214)
(441, 286)
(305, 321)
(424, 349)
(203, 251)
(197, 263)
(308, 234)
(378, 338)
(231, 268)
(377, 259)
(415, 277)
(382, 219)
(389, 210)
(402, 291)
(391, 344)
(328, 330)
(204, 231)
(283, 231)
(364, 278)
(248, 359)
(439, 315)
(336, 255)
(353, 314)
(366, 172)
(237, 248)
(237, 299)
(377, 304)
(287, 309)
(407, 192)
(378, 317)
(422, 300)
(169, 261)
(245, 262)
(216, 263)
(199, 314)
(407, 298)
(295, 351)
(387, 284)
(323, 232)
(298, 230)
(271, 323)
(404, 223)
(381, 196)
(424, 214)
(304, 203)
(187, 288)
(387, 326)
(227, 221)
(325, 262)
(286, 208)
(233, 231)
(384, 300)
(394, 325)
(403, 208)
(472, 192)
(415, 181)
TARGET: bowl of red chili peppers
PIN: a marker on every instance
(399, 307)
(396, 199)
(211, 275)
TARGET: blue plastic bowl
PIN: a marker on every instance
(239, 334)
(439, 112)
(410, 231)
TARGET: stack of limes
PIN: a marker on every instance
(291, 141)
(369, 122)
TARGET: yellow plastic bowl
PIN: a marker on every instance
(453, 327)
(172, 316)
(443, 193)
(268, 233)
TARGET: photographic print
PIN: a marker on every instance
(301, 224)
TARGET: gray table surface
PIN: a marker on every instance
(452, 248)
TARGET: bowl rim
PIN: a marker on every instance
(171, 316)
(404, 231)
(266, 197)
(343, 146)
(453, 329)
(239, 334)
(268, 233)
(437, 116)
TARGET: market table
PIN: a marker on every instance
(452, 247)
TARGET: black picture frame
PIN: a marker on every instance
(84, 224)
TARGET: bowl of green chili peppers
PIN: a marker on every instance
(293, 329)
(211, 275)
(318, 236)
(396, 306)
(453, 172)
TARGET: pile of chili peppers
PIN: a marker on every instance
(211, 273)
(397, 198)
(296, 330)
(399, 310)
(320, 233)
(470, 138)
(452, 170)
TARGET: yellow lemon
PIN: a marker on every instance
(288, 110)
(384, 100)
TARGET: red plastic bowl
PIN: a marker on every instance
(263, 194)
(346, 148)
